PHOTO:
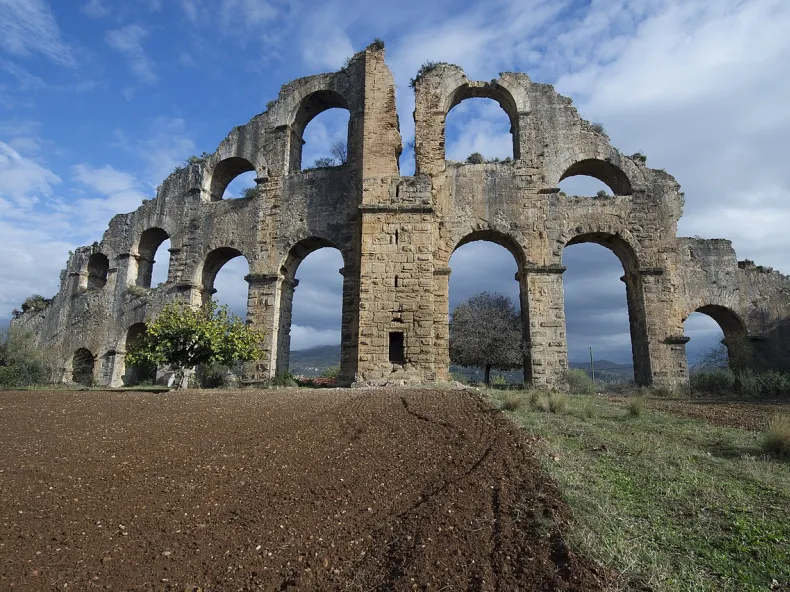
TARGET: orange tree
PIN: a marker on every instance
(182, 336)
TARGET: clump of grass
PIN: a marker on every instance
(538, 401)
(776, 438)
(584, 410)
(636, 406)
(512, 400)
(558, 402)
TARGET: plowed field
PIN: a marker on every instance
(274, 490)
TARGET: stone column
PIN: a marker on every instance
(349, 330)
(263, 314)
(523, 296)
(441, 323)
(665, 363)
(548, 346)
(287, 288)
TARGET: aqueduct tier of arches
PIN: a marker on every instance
(396, 235)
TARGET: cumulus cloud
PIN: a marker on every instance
(128, 41)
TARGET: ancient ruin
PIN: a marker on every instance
(396, 235)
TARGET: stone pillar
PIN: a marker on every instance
(523, 296)
(263, 314)
(548, 346)
(441, 323)
(284, 333)
(145, 270)
(665, 363)
(349, 330)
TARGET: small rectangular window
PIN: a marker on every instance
(397, 353)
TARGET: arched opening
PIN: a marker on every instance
(134, 375)
(584, 186)
(595, 177)
(717, 339)
(82, 367)
(98, 267)
(311, 327)
(233, 177)
(596, 313)
(479, 130)
(487, 262)
(223, 279)
(320, 132)
(600, 315)
(152, 245)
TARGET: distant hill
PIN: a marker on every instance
(312, 362)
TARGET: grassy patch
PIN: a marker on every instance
(670, 504)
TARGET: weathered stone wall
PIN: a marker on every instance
(396, 235)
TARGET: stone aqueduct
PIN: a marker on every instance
(397, 233)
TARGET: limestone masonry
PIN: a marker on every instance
(396, 235)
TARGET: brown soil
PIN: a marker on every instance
(275, 490)
(750, 415)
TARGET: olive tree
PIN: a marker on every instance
(485, 331)
(182, 337)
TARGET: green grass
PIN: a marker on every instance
(668, 503)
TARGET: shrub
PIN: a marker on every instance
(22, 363)
(513, 401)
(475, 158)
(35, 303)
(499, 381)
(558, 402)
(601, 194)
(636, 406)
(331, 372)
(424, 69)
(285, 379)
(597, 127)
(211, 375)
(776, 438)
(714, 381)
(378, 43)
(579, 382)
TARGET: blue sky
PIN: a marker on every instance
(101, 99)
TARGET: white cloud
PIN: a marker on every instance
(128, 40)
(95, 9)
(23, 181)
(29, 27)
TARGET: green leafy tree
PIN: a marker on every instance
(485, 331)
(182, 337)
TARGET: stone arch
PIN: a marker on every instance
(603, 170)
(442, 292)
(150, 240)
(133, 374)
(484, 90)
(213, 262)
(98, 268)
(620, 243)
(82, 366)
(297, 253)
(308, 108)
(225, 171)
(736, 335)
(497, 237)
